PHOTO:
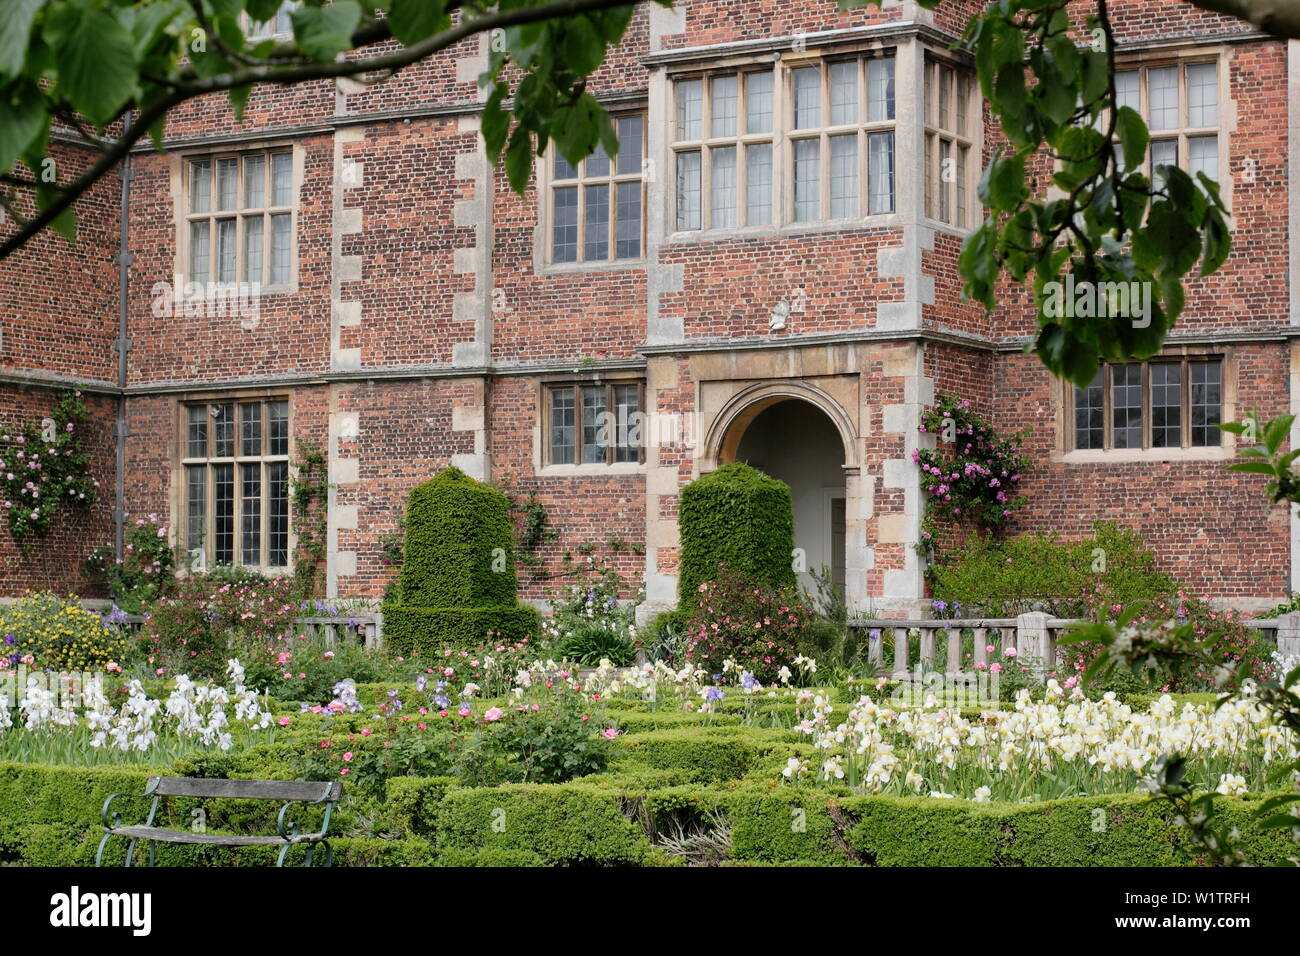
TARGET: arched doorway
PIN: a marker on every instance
(796, 441)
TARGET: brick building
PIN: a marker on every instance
(767, 270)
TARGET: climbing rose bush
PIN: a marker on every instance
(973, 476)
(44, 468)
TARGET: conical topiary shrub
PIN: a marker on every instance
(738, 517)
(457, 586)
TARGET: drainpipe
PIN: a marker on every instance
(123, 346)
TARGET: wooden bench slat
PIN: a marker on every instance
(303, 790)
(208, 839)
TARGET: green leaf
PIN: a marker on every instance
(1003, 184)
(21, 122)
(1133, 137)
(519, 159)
(977, 262)
(150, 22)
(576, 128)
(96, 64)
(1059, 98)
(261, 11)
(496, 120)
(579, 48)
(1253, 467)
(238, 100)
(1217, 242)
(1275, 432)
(15, 33)
(1096, 76)
(65, 223)
(322, 33)
(1133, 200)
(1009, 96)
(414, 20)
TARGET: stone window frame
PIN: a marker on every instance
(183, 461)
(783, 135)
(1067, 452)
(542, 461)
(548, 183)
(707, 144)
(1143, 64)
(951, 202)
(180, 192)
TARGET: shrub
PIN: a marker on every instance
(1226, 637)
(210, 618)
(145, 572)
(1039, 573)
(664, 637)
(759, 627)
(588, 624)
(564, 825)
(551, 733)
(547, 736)
(298, 667)
(57, 633)
(738, 517)
(457, 584)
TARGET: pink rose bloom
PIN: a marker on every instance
(366, 732)
(348, 756)
(492, 713)
(464, 711)
(995, 669)
(1010, 652)
(284, 721)
(610, 733)
(329, 655)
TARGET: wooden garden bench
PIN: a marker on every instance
(290, 792)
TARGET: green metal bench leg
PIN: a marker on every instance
(130, 852)
(153, 853)
(284, 850)
(99, 854)
(329, 853)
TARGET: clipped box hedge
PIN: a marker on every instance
(739, 517)
(457, 584)
(50, 816)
